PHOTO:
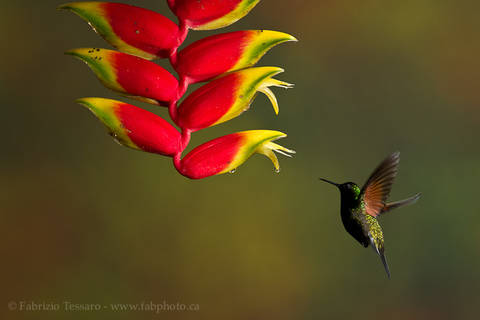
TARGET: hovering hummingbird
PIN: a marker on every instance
(360, 208)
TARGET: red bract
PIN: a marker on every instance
(210, 14)
(210, 57)
(134, 127)
(227, 153)
(130, 75)
(142, 34)
(128, 28)
(227, 97)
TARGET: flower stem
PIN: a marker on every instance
(176, 162)
(186, 134)
(182, 34)
(182, 88)
(172, 110)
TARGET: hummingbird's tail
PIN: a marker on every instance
(393, 205)
(381, 253)
(384, 261)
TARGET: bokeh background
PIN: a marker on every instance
(87, 221)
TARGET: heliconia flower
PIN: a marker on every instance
(130, 75)
(227, 153)
(227, 97)
(134, 127)
(210, 14)
(209, 57)
(226, 60)
(130, 29)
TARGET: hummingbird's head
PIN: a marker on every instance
(348, 189)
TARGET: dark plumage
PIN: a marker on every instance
(361, 207)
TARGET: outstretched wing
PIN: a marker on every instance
(378, 186)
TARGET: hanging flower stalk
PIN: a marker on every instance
(225, 61)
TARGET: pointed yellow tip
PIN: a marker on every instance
(95, 103)
(285, 37)
(77, 5)
(89, 103)
(277, 70)
(66, 6)
(72, 6)
(86, 100)
(261, 73)
(82, 100)
(78, 52)
(92, 56)
(274, 37)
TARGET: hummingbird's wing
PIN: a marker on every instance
(378, 186)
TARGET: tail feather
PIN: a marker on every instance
(384, 261)
(381, 253)
(393, 205)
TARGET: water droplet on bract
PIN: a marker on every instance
(277, 170)
(233, 170)
(115, 137)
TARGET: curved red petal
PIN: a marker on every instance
(140, 77)
(142, 28)
(130, 29)
(210, 14)
(134, 127)
(209, 103)
(211, 56)
(211, 157)
(148, 131)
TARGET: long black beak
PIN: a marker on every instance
(328, 181)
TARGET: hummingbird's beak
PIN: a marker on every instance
(328, 181)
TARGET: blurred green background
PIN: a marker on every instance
(87, 221)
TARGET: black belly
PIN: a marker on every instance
(355, 229)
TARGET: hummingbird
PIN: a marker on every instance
(360, 208)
